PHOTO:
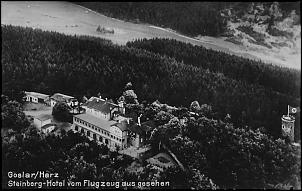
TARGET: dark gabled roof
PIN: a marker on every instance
(143, 128)
(136, 129)
(100, 105)
(123, 125)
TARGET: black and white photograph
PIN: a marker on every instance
(151, 95)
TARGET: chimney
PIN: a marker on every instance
(100, 97)
(110, 113)
(106, 99)
(128, 121)
(139, 120)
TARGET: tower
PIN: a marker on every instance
(288, 127)
(122, 107)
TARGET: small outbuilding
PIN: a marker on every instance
(35, 97)
(42, 120)
(58, 97)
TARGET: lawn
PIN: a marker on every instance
(35, 109)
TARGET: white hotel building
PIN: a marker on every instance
(102, 123)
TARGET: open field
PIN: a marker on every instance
(35, 109)
(68, 18)
(29, 106)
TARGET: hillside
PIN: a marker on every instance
(266, 28)
(49, 62)
(269, 31)
(69, 18)
(280, 79)
(199, 87)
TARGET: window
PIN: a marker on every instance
(82, 131)
(94, 136)
(76, 128)
(101, 139)
(88, 133)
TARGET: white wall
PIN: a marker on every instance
(116, 131)
(39, 123)
(31, 99)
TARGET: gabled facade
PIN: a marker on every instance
(58, 97)
(42, 120)
(35, 97)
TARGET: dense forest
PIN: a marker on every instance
(231, 157)
(190, 18)
(284, 80)
(50, 62)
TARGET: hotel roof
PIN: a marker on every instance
(104, 106)
(102, 123)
